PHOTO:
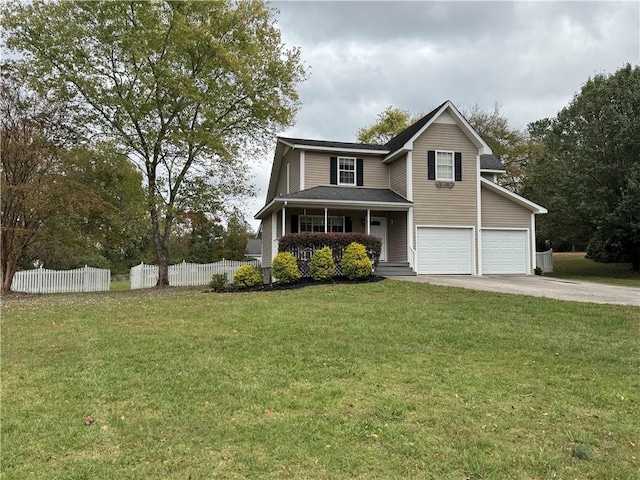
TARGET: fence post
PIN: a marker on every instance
(40, 280)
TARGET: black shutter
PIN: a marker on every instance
(359, 172)
(348, 226)
(333, 171)
(458, 166)
(294, 223)
(431, 165)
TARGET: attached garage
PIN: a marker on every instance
(505, 251)
(445, 250)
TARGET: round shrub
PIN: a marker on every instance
(285, 268)
(355, 263)
(322, 266)
(247, 276)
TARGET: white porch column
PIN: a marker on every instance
(284, 221)
(410, 256)
(274, 235)
(326, 217)
(368, 222)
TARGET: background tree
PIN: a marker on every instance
(512, 146)
(509, 144)
(235, 238)
(589, 174)
(389, 124)
(108, 227)
(33, 131)
(180, 87)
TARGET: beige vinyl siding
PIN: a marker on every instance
(455, 206)
(317, 169)
(397, 237)
(293, 158)
(294, 173)
(498, 211)
(444, 206)
(266, 241)
(398, 176)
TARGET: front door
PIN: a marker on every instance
(379, 229)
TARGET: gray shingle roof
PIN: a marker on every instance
(347, 194)
(490, 162)
(330, 144)
(399, 140)
(254, 247)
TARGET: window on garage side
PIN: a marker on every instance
(444, 166)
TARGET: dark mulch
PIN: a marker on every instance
(302, 283)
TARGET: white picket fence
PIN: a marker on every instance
(544, 260)
(42, 280)
(186, 274)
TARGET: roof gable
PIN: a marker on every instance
(405, 139)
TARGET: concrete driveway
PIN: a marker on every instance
(536, 286)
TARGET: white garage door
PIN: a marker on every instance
(445, 250)
(504, 251)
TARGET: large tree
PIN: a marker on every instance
(181, 87)
(33, 132)
(589, 176)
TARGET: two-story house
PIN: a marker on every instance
(429, 194)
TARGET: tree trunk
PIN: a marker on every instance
(160, 246)
(9, 268)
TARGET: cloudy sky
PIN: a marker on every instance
(530, 57)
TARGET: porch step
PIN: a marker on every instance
(387, 269)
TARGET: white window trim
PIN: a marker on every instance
(453, 167)
(355, 171)
(322, 217)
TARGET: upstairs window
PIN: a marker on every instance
(346, 171)
(444, 166)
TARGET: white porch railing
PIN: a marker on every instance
(42, 280)
(412, 259)
(544, 260)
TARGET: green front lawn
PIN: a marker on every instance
(574, 265)
(379, 380)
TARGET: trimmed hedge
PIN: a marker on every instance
(285, 268)
(322, 265)
(355, 263)
(247, 276)
(304, 245)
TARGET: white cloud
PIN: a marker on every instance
(531, 57)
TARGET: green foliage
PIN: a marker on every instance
(389, 124)
(322, 265)
(285, 268)
(589, 176)
(355, 263)
(180, 87)
(247, 276)
(219, 281)
(297, 243)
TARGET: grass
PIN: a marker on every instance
(119, 285)
(379, 380)
(574, 265)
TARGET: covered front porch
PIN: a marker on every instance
(386, 216)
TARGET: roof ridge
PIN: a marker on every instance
(400, 139)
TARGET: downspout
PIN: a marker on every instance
(479, 213)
